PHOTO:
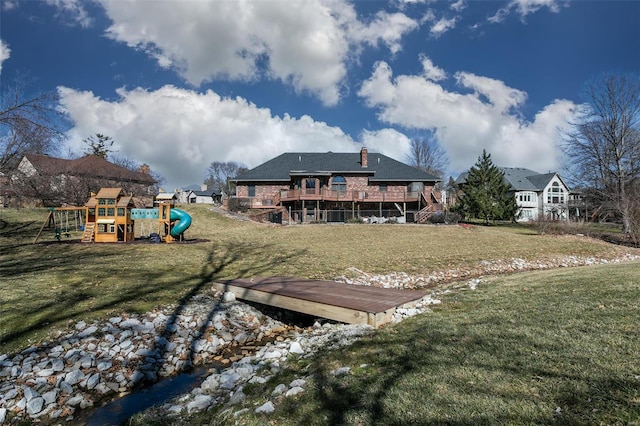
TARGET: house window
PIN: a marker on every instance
(111, 211)
(120, 211)
(102, 211)
(525, 197)
(102, 201)
(310, 184)
(555, 194)
(339, 183)
(252, 190)
(383, 187)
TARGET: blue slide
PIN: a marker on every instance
(184, 222)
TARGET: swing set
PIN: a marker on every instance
(63, 220)
(109, 217)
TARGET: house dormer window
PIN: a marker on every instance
(339, 183)
(555, 194)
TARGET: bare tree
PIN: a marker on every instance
(28, 123)
(604, 149)
(219, 175)
(427, 155)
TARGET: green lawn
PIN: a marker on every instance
(558, 346)
(551, 347)
(46, 286)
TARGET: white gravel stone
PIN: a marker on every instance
(73, 377)
(296, 348)
(50, 397)
(279, 390)
(294, 391)
(297, 383)
(200, 402)
(35, 406)
(266, 408)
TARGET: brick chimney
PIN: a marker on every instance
(364, 161)
(145, 169)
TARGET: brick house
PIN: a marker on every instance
(50, 181)
(334, 187)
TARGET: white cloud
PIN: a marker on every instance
(9, 5)
(465, 123)
(74, 9)
(302, 43)
(459, 6)
(5, 52)
(524, 8)
(428, 16)
(179, 132)
(432, 72)
(387, 141)
(498, 94)
(387, 27)
(442, 26)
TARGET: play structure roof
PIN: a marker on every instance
(109, 193)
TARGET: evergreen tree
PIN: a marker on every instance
(486, 192)
(100, 145)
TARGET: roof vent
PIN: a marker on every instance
(300, 158)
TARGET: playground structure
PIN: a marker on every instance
(109, 217)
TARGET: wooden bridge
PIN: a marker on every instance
(353, 304)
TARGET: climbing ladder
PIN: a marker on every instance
(87, 235)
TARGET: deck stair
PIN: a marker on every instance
(89, 232)
(264, 216)
(423, 215)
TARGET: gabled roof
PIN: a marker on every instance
(87, 166)
(520, 179)
(113, 193)
(166, 196)
(380, 168)
(207, 193)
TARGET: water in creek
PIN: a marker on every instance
(119, 411)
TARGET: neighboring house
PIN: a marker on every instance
(539, 196)
(198, 194)
(52, 181)
(208, 196)
(334, 187)
(182, 194)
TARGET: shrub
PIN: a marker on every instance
(239, 204)
(445, 217)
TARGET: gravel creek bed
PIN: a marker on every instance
(90, 364)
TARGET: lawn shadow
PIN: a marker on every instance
(60, 310)
(400, 374)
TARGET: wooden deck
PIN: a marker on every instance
(352, 304)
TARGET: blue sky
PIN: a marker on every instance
(179, 84)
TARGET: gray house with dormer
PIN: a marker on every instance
(538, 195)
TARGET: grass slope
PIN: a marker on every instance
(47, 286)
(551, 347)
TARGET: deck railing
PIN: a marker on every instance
(352, 195)
(325, 194)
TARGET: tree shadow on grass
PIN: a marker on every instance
(419, 375)
(61, 309)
